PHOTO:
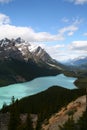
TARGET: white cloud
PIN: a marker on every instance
(72, 28)
(63, 52)
(78, 46)
(27, 33)
(4, 19)
(65, 20)
(57, 51)
(85, 34)
(69, 30)
(5, 1)
(74, 50)
(78, 2)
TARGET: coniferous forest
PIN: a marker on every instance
(43, 105)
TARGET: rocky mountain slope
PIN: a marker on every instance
(76, 107)
(79, 61)
(21, 50)
(77, 67)
(21, 61)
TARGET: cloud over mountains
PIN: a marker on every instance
(4, 19)
(58, 51)
(28, 33)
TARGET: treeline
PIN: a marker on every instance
(49, 101)
(43, 104)
(15, 122)
(11, 68)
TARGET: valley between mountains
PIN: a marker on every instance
(21, 61)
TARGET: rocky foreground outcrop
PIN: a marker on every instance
(4, 120)
(76, 108)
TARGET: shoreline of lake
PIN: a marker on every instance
(34, 86)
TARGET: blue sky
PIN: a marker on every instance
(59, 26)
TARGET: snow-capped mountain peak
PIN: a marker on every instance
(32, 47)
(26, 51)
(19, 40)
(80, 62)
(79, 58)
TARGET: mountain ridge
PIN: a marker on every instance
(79, 61)
(19, 58)
(77, 107)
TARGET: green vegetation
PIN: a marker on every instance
(14, 121)
(12, 68)
(49, 101)
(43, 104)
(27, 125)
(81, 82)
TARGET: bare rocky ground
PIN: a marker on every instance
(76, 107)
(4, 120)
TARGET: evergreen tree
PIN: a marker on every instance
(4, 107)
(29, 125)
(14, 116)
(82, 123)
(39, 121)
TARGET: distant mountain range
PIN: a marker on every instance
(82, 60)
(77, 67)
(21, 61)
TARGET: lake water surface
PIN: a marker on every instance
(32, 87)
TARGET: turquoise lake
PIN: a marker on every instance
(35, 86)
